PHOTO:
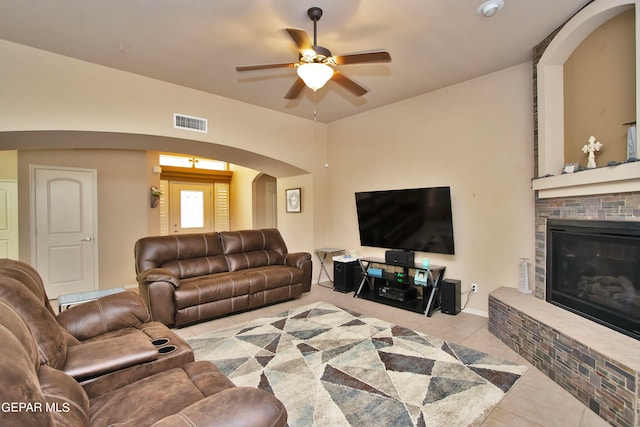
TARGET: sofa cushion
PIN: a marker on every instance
(28, 276)
(204, 289)
(68, 402)
(20, 385)
(164, 394)
(217, 287)
(253, 248)
(103, 315)
(193, 267)
(238, 406)
(11, 322)
(52, 343)
(253, 259)
(185, 255)
(272, 277)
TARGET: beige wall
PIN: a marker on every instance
(600, 91)
(153, 179)
(240, 190)
(298, 238)
(9, 164)
(123, 205)
(475, 137)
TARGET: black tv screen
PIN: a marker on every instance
(417, 219)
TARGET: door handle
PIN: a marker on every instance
(87, 239)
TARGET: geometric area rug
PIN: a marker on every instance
(332, 367)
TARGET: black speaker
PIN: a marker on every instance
(343, 275)
(405, 259)
(450, 296)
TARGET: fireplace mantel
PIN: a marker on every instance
(622, 178)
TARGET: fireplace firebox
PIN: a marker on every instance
(593, 269)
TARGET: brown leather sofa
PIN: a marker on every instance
(190, 278)
(35, 393)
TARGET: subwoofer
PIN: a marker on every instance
(343, 279)
(450, 296)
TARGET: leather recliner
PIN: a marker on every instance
(34, 393)
(103, 344)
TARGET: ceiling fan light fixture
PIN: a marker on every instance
(490, 8)
(315, 74)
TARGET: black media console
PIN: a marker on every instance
(398, 288)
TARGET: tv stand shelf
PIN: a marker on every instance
(404, 292)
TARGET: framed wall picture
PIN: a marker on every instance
(293, 200)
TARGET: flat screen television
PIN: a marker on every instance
(417, 219)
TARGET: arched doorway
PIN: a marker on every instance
(265, 202)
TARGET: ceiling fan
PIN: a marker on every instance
(315, 64)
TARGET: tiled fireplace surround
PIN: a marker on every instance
(590, 361)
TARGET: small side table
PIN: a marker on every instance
(65, 301)
(322, 256)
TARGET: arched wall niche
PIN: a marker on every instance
(550, 79)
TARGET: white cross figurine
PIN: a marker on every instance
(591, 148)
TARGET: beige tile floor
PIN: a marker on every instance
(534, 401)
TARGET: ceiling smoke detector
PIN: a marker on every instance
(490, 8)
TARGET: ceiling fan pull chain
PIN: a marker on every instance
(315, 107)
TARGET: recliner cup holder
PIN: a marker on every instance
(167, 349)
(160, 341)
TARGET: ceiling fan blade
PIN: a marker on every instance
(361, 58)
(295, 90)
(300, 38)
(348, 84)
(264, 67)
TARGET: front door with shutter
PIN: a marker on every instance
(191, 207)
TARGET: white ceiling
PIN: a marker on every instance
(198, 43)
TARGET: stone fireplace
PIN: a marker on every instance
(595, 363)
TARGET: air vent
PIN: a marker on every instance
(180, 121)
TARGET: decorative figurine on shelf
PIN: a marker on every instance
(591, 148)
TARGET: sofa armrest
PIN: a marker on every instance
(159, 298)
(158, 275)
(237, 406)
(301, 260)
(103, 315)
(297, 259)
(101, 357)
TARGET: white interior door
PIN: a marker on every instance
(65, 206)
(9, 219)
(191, 207)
